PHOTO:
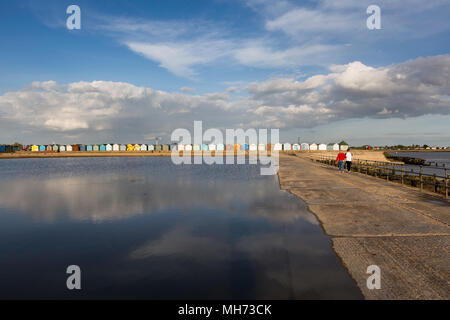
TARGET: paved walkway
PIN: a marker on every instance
(374, 222)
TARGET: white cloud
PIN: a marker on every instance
(115, 110)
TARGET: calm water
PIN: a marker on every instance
(440, 158)
(144, 228)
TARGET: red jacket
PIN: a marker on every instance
(341, 156)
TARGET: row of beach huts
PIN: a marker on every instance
(180, 147)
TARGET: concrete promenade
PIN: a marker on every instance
(375, 222)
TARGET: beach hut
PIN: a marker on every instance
(180, 147)
(102, 147)
(55, 147)
(82, 147)
(296, 147)
(166, 147)
(158, 147)
(62, 148)
(137, 147)
(245, 147)
(304, 146)
(42, 148)
(188, 147)
(89, 147)
(2, 148)
(69, 147)
(261, 147)
(196, 147)
(229, 147)
(330, 147)
(49, 148)
(313, 146)
(34, 148)
(76, 147)
(130, 147)
(115, 147)
(322, 146)
(174, 147)
(212, 147)
(253, 147)
(151, 147)
(108, 147)
(204, 147)
(220, 147)
(144, 147)
(122, 147)
(277, 147)
(95, 147)
(237, 147)
(287, 147)
(343, 146)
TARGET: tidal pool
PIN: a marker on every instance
(147, 229)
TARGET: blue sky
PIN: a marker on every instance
(311, 68)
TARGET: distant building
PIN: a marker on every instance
(313, 146)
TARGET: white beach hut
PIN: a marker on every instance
(304, 146)
(181, 147)
(313, 146)
(336, 147)
(196, 147)
(253, 147)
(296, 147)
(261, 147)
(62, 148)
(277, 147)
(220, 147)
(287, 146)
(188, 147)
(68, 147)
(109, 147)
(123, 147)
(212, 147)
(144, 147)
(322, 146)
(116, 147)
(151, 147)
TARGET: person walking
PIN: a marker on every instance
(340, 161)
(348, 160)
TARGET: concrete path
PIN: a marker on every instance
(374, 222)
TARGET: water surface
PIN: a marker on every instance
(145, 228)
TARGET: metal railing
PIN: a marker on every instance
(397, 172)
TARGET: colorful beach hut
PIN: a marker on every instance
(69, 147)
(82, 147)
(2, 148)
(237, 147)
(180, 147)
(245, 147)
(166, 147)
(95, 147)
(130, 147)
(34, 148)
(75, 147)
(89, 147)
(151, 147)
(55, 147)
(212, 147)
(102, 147)
(188, 147)
(158, 147)
(42, 148)
(49, 148)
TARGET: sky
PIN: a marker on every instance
(137, 70)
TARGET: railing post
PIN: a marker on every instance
(421, 179)
(403, 171)
(446, 183)
(387, 172)
(435, 183)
